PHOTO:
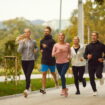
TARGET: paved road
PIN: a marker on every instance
(53, 98)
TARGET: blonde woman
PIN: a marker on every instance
(27, 48)
(61, 51)
(78, 63)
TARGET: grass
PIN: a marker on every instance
(11, 88)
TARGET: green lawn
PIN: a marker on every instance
(11, 88)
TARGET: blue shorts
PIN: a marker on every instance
(45, 68)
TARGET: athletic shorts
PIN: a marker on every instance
(45, 68)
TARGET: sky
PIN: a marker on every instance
(36, 9)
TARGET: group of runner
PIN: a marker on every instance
(58, 56)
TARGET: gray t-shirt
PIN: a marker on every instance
(26, 48)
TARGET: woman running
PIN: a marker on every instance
(61, 51)
(78, 63)
(27, 48)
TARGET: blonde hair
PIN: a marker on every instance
(27, 29)
(61, 33)
(22, 37)
(76, 37)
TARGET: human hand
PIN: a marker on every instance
(89, 56)
(100, 60)
(81, 59)
(44, 45)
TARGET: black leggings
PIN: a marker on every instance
(78, 73)
(62, 69)
(28, 67)
(97, 69)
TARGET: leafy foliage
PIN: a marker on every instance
(94, 18)
(8, 47)
(99, 1)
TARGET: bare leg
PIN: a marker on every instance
(55, 78)
(44, 80)
(43, 83)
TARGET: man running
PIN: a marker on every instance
(94, 53)
(48, 62)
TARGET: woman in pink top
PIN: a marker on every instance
(61, 51)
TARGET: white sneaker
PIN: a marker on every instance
(95, 93)
(101, 81)
(26, 92)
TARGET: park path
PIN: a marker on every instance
(53, 98)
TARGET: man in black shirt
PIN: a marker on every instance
(94, 53)
(47, 61)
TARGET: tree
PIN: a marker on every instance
(15, 27)
(100, 1)
(94, 18)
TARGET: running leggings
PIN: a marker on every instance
(28, 67)
(97, 69)
(78, 73)
(62, 69)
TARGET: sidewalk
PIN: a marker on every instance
(53, 98)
